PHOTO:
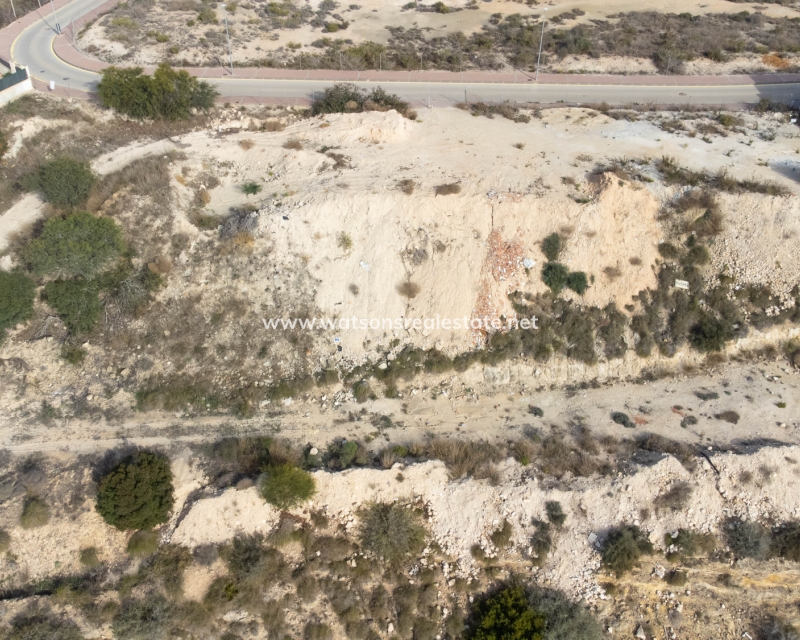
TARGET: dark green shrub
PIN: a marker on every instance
(285, 486)
(551, 247)
(709, 334)
(35, 513)
(390, 531)
(143, 544)
(786, 541)
(623, 419)
(166, 94)
(555, 275)
(40, 624)
(3, 144)
(623, 548)
(77, 304)
(578, 282)
(64, 182)
(747, 539)
(688, 544)
(555, 513)
(668, 251)
(78, 245)
(506, 615)
(16, 300)
(251, 188)
(137, 493)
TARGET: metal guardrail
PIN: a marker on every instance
(13, 78)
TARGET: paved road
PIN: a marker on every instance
(34, 48)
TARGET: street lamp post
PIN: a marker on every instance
(13, 10)
(227, 33)
(58, 26)
(541, 42)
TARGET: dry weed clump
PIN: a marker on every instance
(406, 186)
(447, 189)
(246, 144)
(465, 458)
(408, 289)
(293, 144)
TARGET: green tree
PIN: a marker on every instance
(64, 182)
(166, 94)
(78, 245)
(16, 300)
(76, 302)
(709, 334)
(507, 615)
(578, 282)
(285, 486)
(137, 493)
(551, 247)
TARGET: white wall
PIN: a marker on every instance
(14, 92)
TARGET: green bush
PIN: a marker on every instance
(72, 354)
(285, 486)
(390, 531)
(709, 334)
(78, 245)
(40, 624)
(541, 543)
(251, 188)
(137, 493)
(747, 539)
(506, 615)
(5, 541)
(344, 97)
(143, 544)
(555, 514)
(16, 300)
(623, 548)
(551, 247)
(35, 513)
(167, 94)
(555, 275)
(578, 282)
(64, 182)
(77, 304)
(676, 578)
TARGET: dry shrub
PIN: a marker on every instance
(293, 144)
(161, 265)
(272, 125)
(464, 458)
(202, 197)
(406, 186)
(242, 242)
(447, 189)
(612, 273)
(775, 61)
(676, 498)
(408, 289)
(246, 144)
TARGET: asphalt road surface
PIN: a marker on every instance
(34, 48)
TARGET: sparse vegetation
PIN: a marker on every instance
(143, 543)
(408, 289)
(507, 615)
(555, 513)
(348, 98)
(747, 539)
(251, 188)
(137, 493)
(447, 189)
(551, 247)
(285, 486)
